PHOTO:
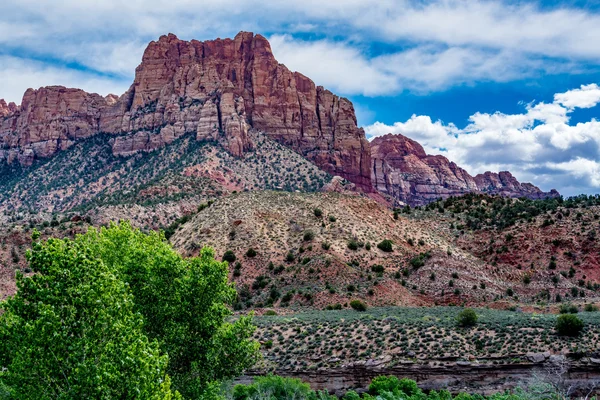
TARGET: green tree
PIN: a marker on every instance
(72, 332)
(568, 325)
(467, 318)
(184, 303)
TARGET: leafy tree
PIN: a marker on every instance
(392, 384)
(72, 331)
(184, 304)
(467, 318)
(358, 305)
(568, 325)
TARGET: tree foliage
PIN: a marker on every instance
(467, 318)
(72, 332)
(178, 306)
(569, 325)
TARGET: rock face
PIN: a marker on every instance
(402, 169)
(216, 90)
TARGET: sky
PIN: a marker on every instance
(492, 85)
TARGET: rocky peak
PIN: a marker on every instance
(402, 169)
(7, 109)
(216, 90)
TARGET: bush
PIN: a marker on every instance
(325, 246)
(273, 387)
(308, 236)
(590, 308)
(318, 213)
(385, 245)
(358, 305)
(378, 269)
(353, 244)
(467, 318)
(568, 325)
(290, 257)
(229, 256)
(332, 218)
(391, 384)
(251, 253)
(568, 309)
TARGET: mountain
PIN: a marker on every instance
(402, 169)
(215, 90)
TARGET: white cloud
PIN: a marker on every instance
(539, 145)
(432, 45)
(585, 97)
(17, 76)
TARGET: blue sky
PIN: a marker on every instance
(492, 85)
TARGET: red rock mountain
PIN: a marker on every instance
(215, 90)
(402, 169)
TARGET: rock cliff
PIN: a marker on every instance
(402, 169)
(216, 90)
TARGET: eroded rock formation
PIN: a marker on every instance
(216, 90)
(402, 169)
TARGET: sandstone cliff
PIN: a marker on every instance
(402, 169)
(216, 90)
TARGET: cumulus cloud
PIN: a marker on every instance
(17, 76)
(431, 45)
(538, 145)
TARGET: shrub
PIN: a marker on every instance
(325, 246)
(353, 244)
(318, 212)
(467, 318)
(270, 312)
(358, 305)
(290, 257)
(590, 308)
(332, 218)
(308, 236)
(568, 325)
(251, 253)
(382, 384)
(229, 256)
(385, 245)
(568, 309)
(273, 387)
(378, 269)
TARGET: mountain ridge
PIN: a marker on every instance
(219, 90)
(402, 169)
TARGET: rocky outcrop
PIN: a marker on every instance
(216, 90)
(401, 168)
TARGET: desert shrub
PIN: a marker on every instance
(590, 308)
(358, 305)
(467, 318)
(325, 246)
(251, 253)
(385, 245)
(378, 269)
(290, 257)
(353, 244)
(568, 309)
(336, 306)
(332, 218)
(318, 212)
(229, 256)
(568, 325)
(270, 312)
(308, 236)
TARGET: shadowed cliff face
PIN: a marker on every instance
(402, 169)
(216, 90)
